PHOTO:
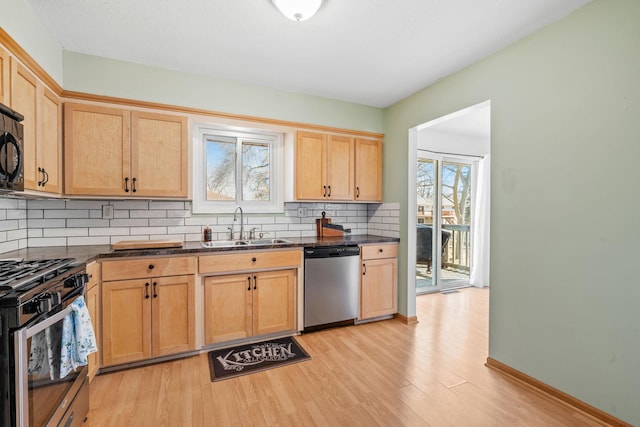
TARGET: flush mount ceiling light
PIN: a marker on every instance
(298, 10)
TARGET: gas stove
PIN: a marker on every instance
(35, 299)
(16, 274)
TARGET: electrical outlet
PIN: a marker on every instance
(107, 212)
(302, 212)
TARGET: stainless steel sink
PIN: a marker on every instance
(253, 242)
(258, 242)
(223, 243)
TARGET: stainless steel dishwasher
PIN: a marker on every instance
(331, 286)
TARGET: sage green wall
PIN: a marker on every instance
(97, 75)
(23, 25)
(565, 243)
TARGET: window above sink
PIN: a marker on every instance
(235, 166)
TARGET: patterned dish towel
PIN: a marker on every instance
(78, 338)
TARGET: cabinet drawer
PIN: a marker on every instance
(379, 251)
(147, 267)
(241, 261)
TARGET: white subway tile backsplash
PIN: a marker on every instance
(94, 240)
(65, 232)
(38, 223)
(16, 234)
(66, 213)
(148, 230)
(46, 223)
(147, 214)
(13, 245)
(85, 204)
(87, 223)
(126, 222)
(130, 204)
(52, 241)
(165, 222)
(46, 204)
(111, 231)
(184, 229)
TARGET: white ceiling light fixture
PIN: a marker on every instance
(298, 10)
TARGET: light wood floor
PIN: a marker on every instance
(377, 374)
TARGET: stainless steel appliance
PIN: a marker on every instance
(35, 297)
(11, 153)
(331, 286)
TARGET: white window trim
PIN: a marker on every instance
(200, 204)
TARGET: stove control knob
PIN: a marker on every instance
(44, 304)
(76, 281)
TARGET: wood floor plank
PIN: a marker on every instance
(383, 373)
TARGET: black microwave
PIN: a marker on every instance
(11, 152)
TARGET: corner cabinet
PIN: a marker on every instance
(141, 154)
(337, 167)
(249, 294)
(379, 280)
(148, 308)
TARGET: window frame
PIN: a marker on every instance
(275, 141)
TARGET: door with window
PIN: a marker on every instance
(443, 230)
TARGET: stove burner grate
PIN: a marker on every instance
(14, 274)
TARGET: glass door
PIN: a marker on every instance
(443, 229)
(455, 212)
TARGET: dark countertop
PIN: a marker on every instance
(90, 253)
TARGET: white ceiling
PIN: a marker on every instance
(372, 52)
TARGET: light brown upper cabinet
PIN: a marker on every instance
(118, 152)
(368, 170)
(42, 145)
(324, 167)
(336, 167)
(4, 76)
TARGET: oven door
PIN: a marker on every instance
(43, 389)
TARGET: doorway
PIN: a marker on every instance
(449, 182)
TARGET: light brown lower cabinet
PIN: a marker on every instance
(147, 318)
(239, 306)
(93, 305)
(379, 281)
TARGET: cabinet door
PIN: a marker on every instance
(311, 160)
(49, 138)
(173, 315)
(159, 155)
(378, 293)
(368, 170)
(93, 306)
(273, 301)
(24, 88)
(126, 321)
(4, 76)
(340, 167)
(227, 308)
(97, 150)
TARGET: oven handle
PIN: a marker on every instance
(22, 363)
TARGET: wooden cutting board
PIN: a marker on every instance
(145, 244)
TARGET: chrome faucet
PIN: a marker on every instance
(235, 218)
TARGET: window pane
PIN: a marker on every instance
(255, 172)
(221, 170)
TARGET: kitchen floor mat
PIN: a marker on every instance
(249, 358)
